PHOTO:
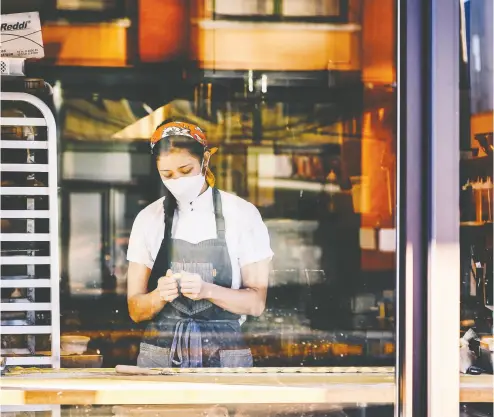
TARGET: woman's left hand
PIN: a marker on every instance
(192, 286)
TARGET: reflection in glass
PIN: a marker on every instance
(311, 142)
(84, 245)
(476, 189)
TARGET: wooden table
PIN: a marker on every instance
(106, 387)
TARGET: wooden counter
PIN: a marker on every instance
(105, 386)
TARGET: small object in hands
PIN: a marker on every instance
(178, 278)
(168, 278)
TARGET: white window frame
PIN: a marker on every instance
(428, 306)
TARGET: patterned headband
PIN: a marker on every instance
(179, 129)
(188, 130)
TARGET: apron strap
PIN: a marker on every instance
(218, 214)
(187, 344)
(162, 261)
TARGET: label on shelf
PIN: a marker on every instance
(20, 36)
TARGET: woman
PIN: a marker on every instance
(199, 261)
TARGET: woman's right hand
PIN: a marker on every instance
(168, 287)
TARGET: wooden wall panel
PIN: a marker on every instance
(378, 41)
(276, 46)
(163, 29)
(102, 44)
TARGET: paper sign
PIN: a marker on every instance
(20, 36)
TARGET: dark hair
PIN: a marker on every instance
(170, 203)
(179, 142)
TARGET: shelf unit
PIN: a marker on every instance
(32, 280)
(476, 230)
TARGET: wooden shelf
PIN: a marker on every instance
(475, 224)
(29, 360)
(25, 306)
(26, 329)
(12, 282)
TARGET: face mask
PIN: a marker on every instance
(185, 189)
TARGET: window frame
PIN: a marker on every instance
(428, 302)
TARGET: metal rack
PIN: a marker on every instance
(32, 280)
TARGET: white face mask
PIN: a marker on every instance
(185, 189)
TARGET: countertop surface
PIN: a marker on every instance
(227, 386)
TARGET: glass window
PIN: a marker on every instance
(300, 99)
(476, 170)
(306, 133)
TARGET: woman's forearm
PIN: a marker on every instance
(243, 301)
(145, 306)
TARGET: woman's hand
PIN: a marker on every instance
(250, 299)
(167, 287)
(192, 286)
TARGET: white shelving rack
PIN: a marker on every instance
(31, 281)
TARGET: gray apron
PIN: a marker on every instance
(194, 334)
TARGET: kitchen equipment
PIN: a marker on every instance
(476, 353)
(486, 351)
(73, 344)
(86, 360)
(360, 194)
(467, 357)
(29, 277)
(485, 142)
(476, 201)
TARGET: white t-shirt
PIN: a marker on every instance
(246, 234)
